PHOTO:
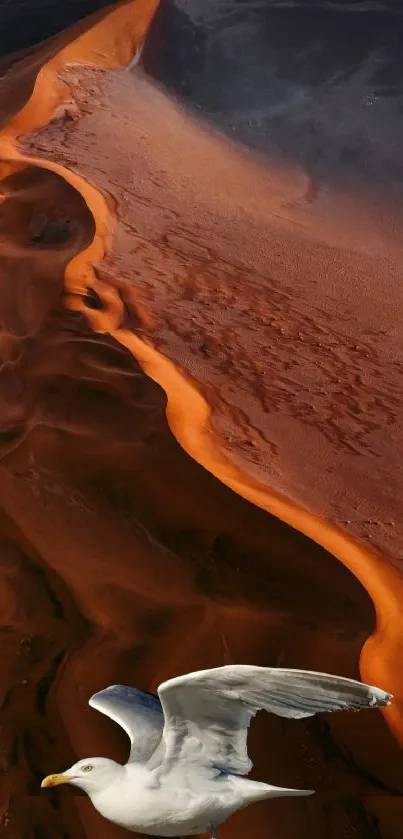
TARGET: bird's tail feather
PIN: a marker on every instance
(256, 791)
(280, 792)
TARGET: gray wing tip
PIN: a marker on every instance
(380, 698)
(125, 695)
(105, 693)
(101, 694)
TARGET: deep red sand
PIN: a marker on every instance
(200, 364)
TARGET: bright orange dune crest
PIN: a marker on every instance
(132, 277)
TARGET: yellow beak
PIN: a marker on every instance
(55, 780)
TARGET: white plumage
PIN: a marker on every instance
(188, 757)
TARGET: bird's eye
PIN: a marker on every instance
(86, 768)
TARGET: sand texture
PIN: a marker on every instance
(201, 436)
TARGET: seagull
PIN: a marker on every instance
(188, 760)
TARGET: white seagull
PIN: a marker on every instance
(184, 775)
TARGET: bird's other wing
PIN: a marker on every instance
(207, 713)
(138, 713)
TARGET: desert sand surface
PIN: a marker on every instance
(201, 440)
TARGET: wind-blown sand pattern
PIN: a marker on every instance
(200, 441)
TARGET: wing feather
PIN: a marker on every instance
(137, 712)
(207, 713)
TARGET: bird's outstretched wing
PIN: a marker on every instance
(207, 713)
(138, 713)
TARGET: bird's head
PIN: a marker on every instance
(91, 775)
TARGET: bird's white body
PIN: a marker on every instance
(158, 811)
(188, 760)
(186, 809)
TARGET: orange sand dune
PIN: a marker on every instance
(153, 272)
